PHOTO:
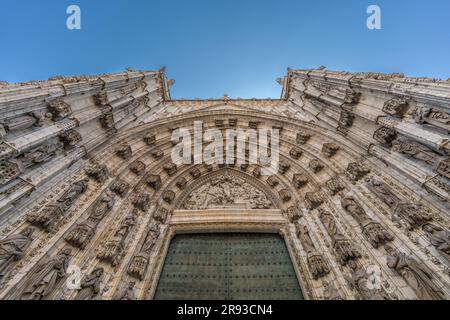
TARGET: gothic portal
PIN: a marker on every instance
(358, 208)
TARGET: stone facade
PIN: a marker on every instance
(363, 191)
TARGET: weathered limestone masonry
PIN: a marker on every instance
(362, 195)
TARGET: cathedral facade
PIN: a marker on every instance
(93, 207)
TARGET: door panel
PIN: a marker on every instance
(227, 267)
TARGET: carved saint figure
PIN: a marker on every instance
(415, 150)
(13, 247)
(126, 292)
(47, 275)
(439, 238)
(68, 198)
(382, 191)
(103, 206)
(90, 285)
(151, 239)
(414, 273)
(360, 282)
(350, 205)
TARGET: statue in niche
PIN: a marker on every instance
(382, 191)
(75, 190)
(350, 205)
(103, 206)
(305, 239)
(40, 154)
(13, 247)
(126, 292)
(90, 285)
(439, 238)
(330, 292)
(151, 239)
(46, 277)
(360, 280)
(344, 249)
(413, 215)
(433, 117)
(414, 273)
(112, 250)
(416, 151)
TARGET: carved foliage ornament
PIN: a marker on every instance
(396, 106)
(385, 136)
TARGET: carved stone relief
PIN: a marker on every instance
(124, 151)
(385, 136)
(59, 109)
(98, 172)
(316, 166)
(432, 116)
(373, 231)
(138, 168)
(12, 249)
(414, 273)
(70, 138)
(396, 107)
(357, 170)
(300, 180)
(343, 247)
(226, 190)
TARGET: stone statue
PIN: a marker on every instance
(13, 247)
(102, 207)
(416, 150)
(97, 172)
(330, 149)
(126, 292)
(383, 192)
(69, 197)
(126, 225)
(46, 276)
(439, 238)
(350, 205)
(47, 217)
(414, 273)
(373, 231)
(90, 285)
(40, 154)
(344, 249)
(360, 282)
(152, 238)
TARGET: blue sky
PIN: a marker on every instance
(212, 47)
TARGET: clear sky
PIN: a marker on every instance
(212, 47)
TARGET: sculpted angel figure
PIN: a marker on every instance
(13, 247)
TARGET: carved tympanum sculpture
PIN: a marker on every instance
(46, 276)
(90, 285)
(12, 249)
(414, 273)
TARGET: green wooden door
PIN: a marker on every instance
(249, 266)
